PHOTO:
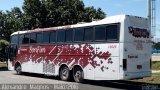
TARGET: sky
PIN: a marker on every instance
(110, 7)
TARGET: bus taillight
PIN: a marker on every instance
(124, 64)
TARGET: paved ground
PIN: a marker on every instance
(10, 77)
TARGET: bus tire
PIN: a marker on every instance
(78, 75)
(64, 73)
(19, 70)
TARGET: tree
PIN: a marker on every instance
(2, 22)
(46, 13)
(156, 46)
(3, 46)
(34, 14)
(91, 13)
(10, 22)
(49, 13)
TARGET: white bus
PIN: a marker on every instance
(114, 48)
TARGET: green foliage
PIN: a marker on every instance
(3, 47)
(49, 13)
(46, 13)
(91, 13)
(4, 43)
(63, 12)
(10, 22)
(156, 46)
(34, 13)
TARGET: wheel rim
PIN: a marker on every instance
(18, 70)
(78, 76)
(64, 73)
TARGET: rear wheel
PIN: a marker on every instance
(78, 75)
(18, 70)
(64, 73)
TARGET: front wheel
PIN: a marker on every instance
(64, 73)
(18, 70)
(78, 75)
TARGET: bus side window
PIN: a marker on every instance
(61, 36)
(33, 38)
(26, 39)
(46, 37)
(52, 37)
(100, 33)
(39, 37)
(112, 32)
(79, 33)
(14, 39)
(69, 35)
(88, 34)
(21, 37)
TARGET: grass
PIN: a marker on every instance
(155, 65)
(3, 65)
(154, 79)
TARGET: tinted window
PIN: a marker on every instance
(39, 37)
(88, 34)
(21, 37)
(100, 33)
(69, 35)
(26, 39)
(14, 39)
(46, 37)
(60, 36)
(53, 36)
(79, 33)
(33, 38)
(112, 32)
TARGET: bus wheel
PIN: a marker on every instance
(18, 70)
(64, 73)
(78, 75)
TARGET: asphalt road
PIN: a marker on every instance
(10, 77)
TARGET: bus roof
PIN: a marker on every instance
(107, 20)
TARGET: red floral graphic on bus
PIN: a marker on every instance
(82, 54)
